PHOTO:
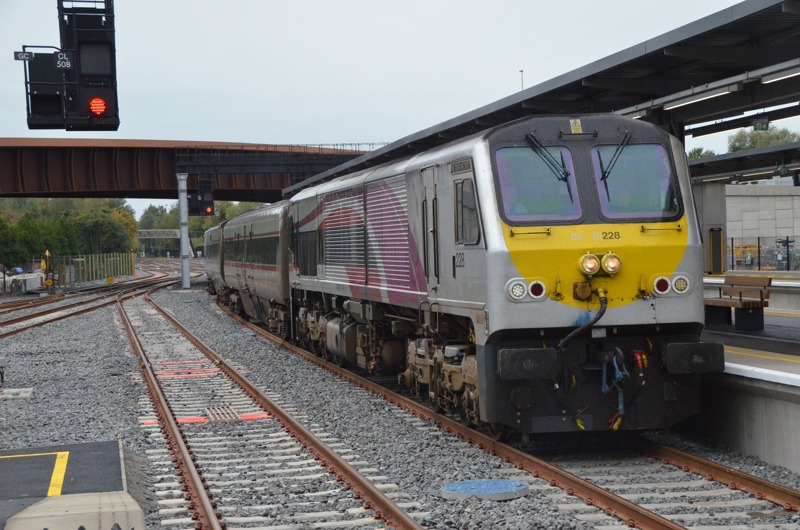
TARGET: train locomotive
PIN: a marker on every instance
(544, 275)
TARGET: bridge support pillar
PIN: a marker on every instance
(183, 206)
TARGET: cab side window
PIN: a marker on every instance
(466, 210)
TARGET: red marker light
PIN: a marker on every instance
(209, 209)
(97, 106)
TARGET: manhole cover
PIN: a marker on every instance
(493, 490)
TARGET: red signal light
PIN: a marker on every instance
(97, 106)
(209, 210)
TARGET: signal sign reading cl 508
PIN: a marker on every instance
(97, 106)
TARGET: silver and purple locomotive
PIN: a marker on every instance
(540, 276)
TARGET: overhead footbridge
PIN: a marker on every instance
(146, 169)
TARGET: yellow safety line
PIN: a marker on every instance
(59, 470)
(741, 351)
(783, 312)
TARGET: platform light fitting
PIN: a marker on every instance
(702, 96)
(757, 173)
(780, 76)
(716, 179)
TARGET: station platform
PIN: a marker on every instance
(754, 407)
(66, 487)
(781, 333)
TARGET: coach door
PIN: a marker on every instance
(247, 260)
(430, 226)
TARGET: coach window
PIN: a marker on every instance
(467, 228)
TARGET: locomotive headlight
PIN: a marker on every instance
(517, 289)
(681, 284)
(611, 263)
(589, 264)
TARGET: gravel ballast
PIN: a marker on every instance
(86, 389)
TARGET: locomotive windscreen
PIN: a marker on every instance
(640, 184)
(537, 184)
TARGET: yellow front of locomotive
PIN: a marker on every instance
(596, 319)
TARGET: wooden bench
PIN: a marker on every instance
(746, 295)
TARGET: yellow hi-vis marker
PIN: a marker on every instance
(59, 470)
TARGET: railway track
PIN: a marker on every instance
(241, 459)
(685, 499)
(631, 492)
(95, 299)
(259, 475)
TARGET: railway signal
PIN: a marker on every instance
(205, 192)
(87, 28)
(75, 86)
(202, 202)
(193, 203)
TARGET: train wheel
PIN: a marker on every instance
(463, 413)
(498, 432)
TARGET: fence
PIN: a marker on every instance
(763, 254)
(74, 270)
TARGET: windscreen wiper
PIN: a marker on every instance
(607, 171)
(559, 170)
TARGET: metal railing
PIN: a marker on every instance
(763, 254)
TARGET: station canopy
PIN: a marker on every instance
(735, 68)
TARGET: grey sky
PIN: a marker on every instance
(310, 72)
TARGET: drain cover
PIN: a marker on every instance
(223, 413)
(492, 490)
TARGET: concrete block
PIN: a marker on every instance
(750, 217)
(92, 511)
(767, 212)
(759, 418)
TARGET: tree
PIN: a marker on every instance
(699, 152)
(231, 210)
(31, 235)
(66, 242)
(100, 233)
(152, 217)
(11, 251)
(125, 217)
(744, 139)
